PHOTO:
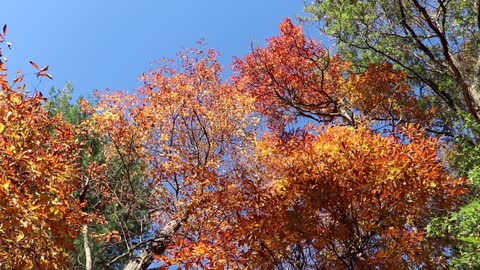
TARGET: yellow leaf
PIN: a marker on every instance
(2, 127)
(6, 185)
(15, 98)
(20, 236)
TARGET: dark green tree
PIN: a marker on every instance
(115, 196)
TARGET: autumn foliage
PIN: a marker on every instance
(330, 194)
(345, 198)
(39, 216)
(319, 187)
(188, 126)
(333, 198)
(294, 76)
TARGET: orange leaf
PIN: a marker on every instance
(45, 75)
(45, 68)
(18, 79)
(34, 65)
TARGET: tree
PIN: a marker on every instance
(294, 76)
(435, 42)
(59, 104)
(186, 175)
(369, 96)
(340, 192)
(38, 177)
(344, 198)
(114, 196)
(461, 227)
(187, 127)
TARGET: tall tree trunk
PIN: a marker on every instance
(86, 243)
(88, 250)
(474, 87)
(157, 246)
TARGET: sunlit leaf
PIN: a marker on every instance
(34, 65)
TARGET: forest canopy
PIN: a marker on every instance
(297, 158)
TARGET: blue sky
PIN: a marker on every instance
(108, 44)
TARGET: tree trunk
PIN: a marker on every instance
(474, 87)
(157, 246)
(88, 250)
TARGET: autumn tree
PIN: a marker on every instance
(353, 187)
(183, 172)
(344, 198)
(39, 216)
(437, 44)
(284, 75)
(295, 77)
(190, 129)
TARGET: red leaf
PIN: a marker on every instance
(45, 68)
(18, 79)
(34, 65)
(45, 75)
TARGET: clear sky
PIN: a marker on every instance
(108, 44)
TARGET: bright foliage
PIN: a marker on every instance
(191, 129)
(437, 44)
(332, 194)
(328, 198)
(294, 76)
(39, 217)
(323, 196)
(345, 198)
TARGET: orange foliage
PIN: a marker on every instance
(346, 198)
(381, 93)
(191, 130)
(325, 196)
(294, 76)
(328, 198)
(39, 217)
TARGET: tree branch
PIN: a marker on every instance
(446, 53)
